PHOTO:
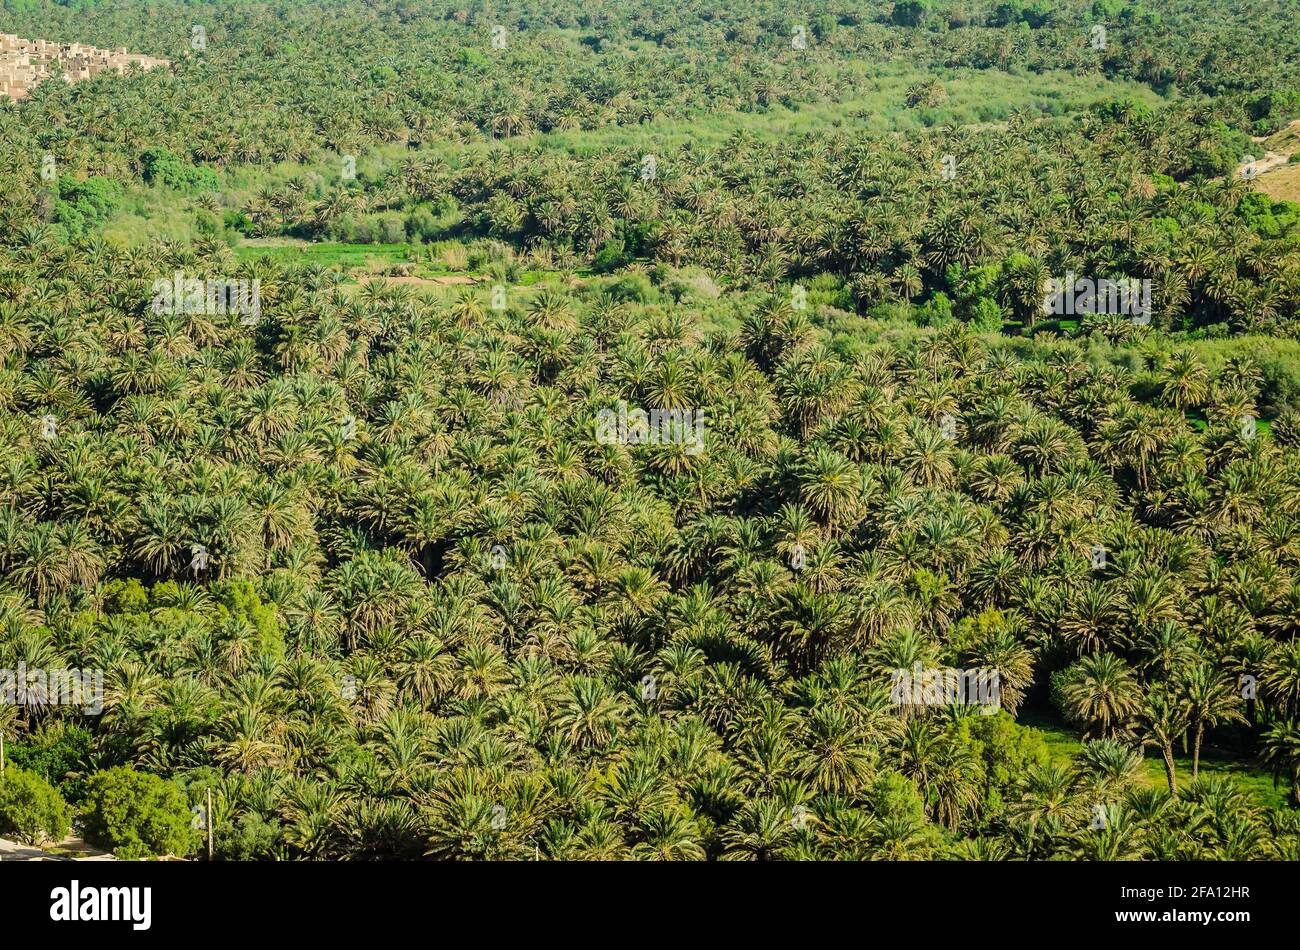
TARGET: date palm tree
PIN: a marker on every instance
(1210, 699)
(1101, 691)
(1163, 721)
(1280, 751)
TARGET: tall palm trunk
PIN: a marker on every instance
(1196, 749)
(1171, 774)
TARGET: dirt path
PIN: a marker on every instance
(1263, 166)
(13, 851)
(69, 849)
(448, 281)
(1285, 142)
(1275, 174)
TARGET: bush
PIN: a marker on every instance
(936, 311)
(348, 229)
(249, 838)
(30, 809)
(632, 288)
(909, 13)
(126, 597)
(390, 228)
(423, 225)
(59, 753)
(160, 166)
(137, 815)
(610, 257)
(240, 601)
(1007, 749)
(83, 206)
(987, 316)
(237, 221)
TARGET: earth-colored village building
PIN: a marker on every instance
(24, 63)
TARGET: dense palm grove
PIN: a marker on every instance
(437, 616)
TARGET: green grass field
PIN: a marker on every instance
(1216, 759)
(325, 253)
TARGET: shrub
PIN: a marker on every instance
(610, 257)
(247, 838)
(909, 13)
(58, 753)
(390, 228)
(84, 205)
(634, 288)
(422, 225)
(159, 166)
(936, 311)
(30, 809)
(987, 316)
(137, 815)
(239, 600)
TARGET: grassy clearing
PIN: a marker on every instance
(327, 254)
(154, 213)
(360, 262)
(1283, 183)
(1064, 744)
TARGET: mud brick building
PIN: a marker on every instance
(24, 63)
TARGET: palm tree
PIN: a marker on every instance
(761, 831)
(1100, 691)
(1281, 679)
(1002, 651)
(1183, 380)
(1048, 806)
(1118, 839)
(1281, 753)
(1162, 722)
(1210, 699)
(590, 715)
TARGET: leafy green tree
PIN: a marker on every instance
(60, 752)
(31, 810)
(909, 12)
(137, 815)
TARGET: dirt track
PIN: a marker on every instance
(450, 281)
(75, 850)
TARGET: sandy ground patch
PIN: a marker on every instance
(70, 848)
(1283, 184)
